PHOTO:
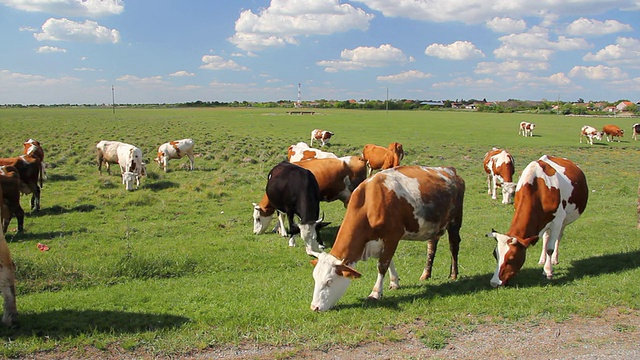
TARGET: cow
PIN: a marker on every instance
(292, 190)
(526, 128)
(175, 150)
(380, 158)
(500, 167)
(320, 135)
(589, 132)
(612, 131)
(30, 169)
(636, 130)
(552, 193)
(406, 202)
(33, 147)
(127, 156)
(11, 186)
(302, 151)
(337, 178)
(7, 284)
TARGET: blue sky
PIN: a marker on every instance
(163, 51)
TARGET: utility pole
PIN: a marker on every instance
(387, 102)
(113, 98)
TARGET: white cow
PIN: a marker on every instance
(175, 150)
(127, 156)
(302, 151)
(526, 128)
(590, 132)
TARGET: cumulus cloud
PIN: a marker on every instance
(465, 82)
(626, 51)
(9, 78)
(182, 73)
(536, 44)
(50, 49)
(363, 57)
(459, 50)
(559, 79)
(507, 68)
(283, 21)
(585, 27)
(88, 8)
(599, 72)
(506, 25)
(137, 81)
(215, 62)
(403, 77)
(68, 30)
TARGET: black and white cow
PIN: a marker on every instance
(291, 190)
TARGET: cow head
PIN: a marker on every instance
(510, 253)
(332, 277)
(261, 219)
(159, 158)
(129, 179)
(508, 192)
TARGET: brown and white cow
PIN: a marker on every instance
(11, 187)
(302, 151)
(175, 150)
(33, 147)
(7, 283)
(612, 132)
(589, 132)
(30, 169)
(552, 193)
(636, 130)
(337, 178)
(406, 202)
(380, 158)
(500, 167)
(320, 135)
(127, 156)
(526, 128)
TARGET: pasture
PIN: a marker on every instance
(174, 267)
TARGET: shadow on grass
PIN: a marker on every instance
(59, 210)
(160, 185)
(60, 324)
(48, 235)
(58, 177)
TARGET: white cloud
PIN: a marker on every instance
(403, 77)
(88, 8)
(506, 25)
(284, 20)
(626, 51)
(599, 72)
(559, 79)
(50, 49)
(68, 30)
(459, 50)
(136, 81)
(535, 44)
(215, 62)
(507, 68)
(365, 56)
(585, 27)
(10, 79)
(465, 82)
(182, 73)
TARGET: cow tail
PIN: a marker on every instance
(41, 174)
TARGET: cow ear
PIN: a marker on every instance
(348, 272)
(314, 262)
(530, 241)
(322, 224)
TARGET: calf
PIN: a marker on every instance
(175, 150)
(292, 190)
(7, 284)
(612, 131)
(337, 178)
(30, 169)
(499, 166)
(380, 158)
(320, 135)
(406, 202)
(552, 193)
(11, 185)
(526, 128)
(636, 130)
(302, 151)
(589, 132)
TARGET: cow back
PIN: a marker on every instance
(293, 189)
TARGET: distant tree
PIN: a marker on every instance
(580, 101)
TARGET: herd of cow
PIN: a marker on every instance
(398, 202)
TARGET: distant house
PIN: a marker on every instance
(623, 105)
(611, 109)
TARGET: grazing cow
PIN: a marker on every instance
(499, 166)
(11, 186)
(33, 147)
(612, 131)
(7, 284)
(337, 178)
(292, 190)
(552, 193)
(320, 135)
(30, 170)
(636, 130)
(406, 202)
(302, 151)
(379, 158)
(127, 156)
(526, 128)
(590, 133)
(175, 150)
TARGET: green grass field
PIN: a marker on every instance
(174, 266)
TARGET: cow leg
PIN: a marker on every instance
(545, 242)
(393, 276)
(8, 289)
(489, 184)
(384, 263)
(19, 212)
(191, 162)
(35, 199)
(432, 246)
(454, 247)
(6, 217)
(280, 226)
(494, 188)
